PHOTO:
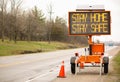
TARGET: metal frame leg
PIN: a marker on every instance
(75, 68)
(100, 66)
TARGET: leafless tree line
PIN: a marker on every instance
(32, 25)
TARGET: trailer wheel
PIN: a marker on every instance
(73, 68)
(105, 68)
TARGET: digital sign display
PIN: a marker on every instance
(89, 23)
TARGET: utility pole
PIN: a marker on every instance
(50, 11)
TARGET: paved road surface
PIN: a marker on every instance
(40, 67)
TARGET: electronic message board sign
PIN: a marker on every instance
(89, 23)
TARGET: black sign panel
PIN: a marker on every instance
(89, 23)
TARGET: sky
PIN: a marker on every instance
(62, 7)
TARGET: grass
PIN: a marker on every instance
(22, 47)
(117, 63)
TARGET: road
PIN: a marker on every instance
(39, 67)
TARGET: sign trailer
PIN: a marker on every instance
(89, 23)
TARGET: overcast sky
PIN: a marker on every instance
(62, 7)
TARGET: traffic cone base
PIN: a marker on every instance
(61, 77)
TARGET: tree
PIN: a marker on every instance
(3, 5)
(33, 25)
(21, 24)
(39, 23)
(15, 5)
(58, 31)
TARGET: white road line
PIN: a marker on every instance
(42, 75)
(38, 76)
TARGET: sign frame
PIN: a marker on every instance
(92, 11)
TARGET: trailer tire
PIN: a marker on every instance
(105, 68)
(73, 68)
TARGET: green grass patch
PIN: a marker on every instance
(117, 63)
(22, 47)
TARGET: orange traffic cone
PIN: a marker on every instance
(62, 71)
